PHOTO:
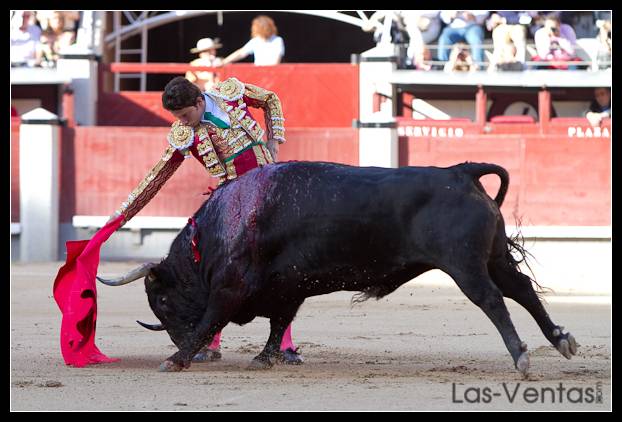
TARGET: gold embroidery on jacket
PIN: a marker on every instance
(230, 89)
(181, 136)
(271, 105)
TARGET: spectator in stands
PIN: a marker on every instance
(537, 20)
(411, 29)
(465, 26)
(390, 29)
(265, 45)
(604, 44)
(506, 27)
(583, 22)
(555, 43)
(206, 49)
(428, 22)
(25, 40)
(423, 27)
(505, 58)
(600, 107)
(55, 37)
(70, 19)
(460, 59)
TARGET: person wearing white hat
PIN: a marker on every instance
(206, 49)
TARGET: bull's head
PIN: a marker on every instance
(142, 271)
(173, 306)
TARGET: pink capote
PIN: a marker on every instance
(76, 296)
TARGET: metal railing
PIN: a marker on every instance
(587, 64)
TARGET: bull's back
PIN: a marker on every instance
(325, 227)
(319, 214)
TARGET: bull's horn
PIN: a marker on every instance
(152, 327)
(135, 274)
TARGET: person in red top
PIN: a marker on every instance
(217, 129)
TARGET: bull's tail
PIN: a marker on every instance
(517, 254)
(477, 170)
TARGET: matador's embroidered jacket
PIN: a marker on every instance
(227, 149)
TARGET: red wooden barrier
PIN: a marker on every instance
(555, 179)
(15, 122)
(102, 165)
(312, 95)
(561, 178)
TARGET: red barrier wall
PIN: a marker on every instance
(334, 93)
(15, 122)
(555, 179)
(562, 177)
(104, 164)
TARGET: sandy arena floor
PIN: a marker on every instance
(424, 347)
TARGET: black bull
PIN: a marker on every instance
(288, 231)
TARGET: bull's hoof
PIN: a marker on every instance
(290, 357)
(522, 364)
(260, 362)
(207, 355)
(567, 346)
(170, 366)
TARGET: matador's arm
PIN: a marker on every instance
(151, 184)
(271, 105)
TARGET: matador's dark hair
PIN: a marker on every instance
(180, 93)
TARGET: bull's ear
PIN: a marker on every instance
(150, 277)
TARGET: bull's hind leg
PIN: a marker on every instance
(477, 285)
(517, 286)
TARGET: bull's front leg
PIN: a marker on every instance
(270, 352)
(192, 343)
(278, 323)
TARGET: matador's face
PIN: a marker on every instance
(191, 115)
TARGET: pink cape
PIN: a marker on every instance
(76, 296)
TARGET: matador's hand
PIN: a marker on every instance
(273, 147)
(114, 216)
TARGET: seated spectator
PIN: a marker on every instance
(604, 44)
(537, 20)
(267, 47)
(583, 22)
(505, 58)
(55, 38)
(464, 26)
(600, 107)
(506, 27)
(430, 25)
(555, 43)
(206, 49)
(415, 49)
(460, 59)
(428, 22)
(25, 40)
